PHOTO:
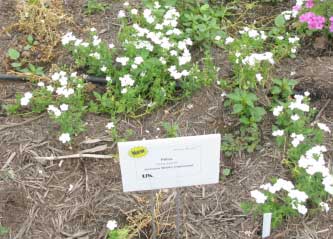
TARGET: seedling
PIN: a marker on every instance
(93, 6)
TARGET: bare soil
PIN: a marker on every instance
(74, 198)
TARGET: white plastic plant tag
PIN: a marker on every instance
(170, 163)
(266, 226)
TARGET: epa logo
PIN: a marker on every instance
(147, 175)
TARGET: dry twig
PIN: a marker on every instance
(73, 156)
(9, 160)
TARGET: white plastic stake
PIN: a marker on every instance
(266, 226)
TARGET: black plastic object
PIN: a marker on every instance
(92, 79)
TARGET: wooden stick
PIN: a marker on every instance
(321, 110)
(73, 156)
(9, 160)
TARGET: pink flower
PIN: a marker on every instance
(314, 22)
(309, 4)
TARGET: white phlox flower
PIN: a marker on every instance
(64, 138)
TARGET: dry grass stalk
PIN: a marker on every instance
(42, 20)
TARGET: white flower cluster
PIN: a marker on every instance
(110, 125)
(277, 133)
(258, 196)
(63, 89)
(126, 80)
(294, 12)
(277, 110)
(177, 75)
(298, 197)
(229, 40)
(26, 98)
(56, 111)
(297, 139)
(111, 225)
(69, 38)
(60, 83)
(313, 162)
(162, 36)
(253, 33)
(324, 127)
(298, 104)
(255, 58)
(64, 138)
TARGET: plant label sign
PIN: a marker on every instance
(170, 163)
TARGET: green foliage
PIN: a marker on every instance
(243, 104)
(21, 64)
(201, 22)
(33, 2)
(3, 230)
(94, 6)
(172, 130)
(226, 172)
(280, 21)
(13, 54)
(158, 78)
(31, 42)
(282, 88)
(118, 234)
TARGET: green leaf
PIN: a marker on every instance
(257, 113)
(25, 70)
(226, 171)
(32, 67)
(237, 108)
(13, 54)
(27, 47)
(118, 234)
(30, 39)
(275, 90)
(204, 7)
(3, 230)
(279, 21)
(16, 64)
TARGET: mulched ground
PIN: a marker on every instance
(36, 197)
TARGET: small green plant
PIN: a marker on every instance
(20, 63)
(13, 54)
(31, 42)
(226, 172)
(118, 234)
(243, 105)
(282, 88)
(172, 130)
(94, 6)
(3, 230)
(202, 22)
